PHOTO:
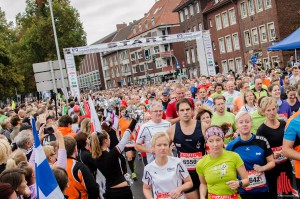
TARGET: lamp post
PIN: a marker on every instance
(57, 50)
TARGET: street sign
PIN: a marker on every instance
(122, 81)
(253, 59)
(177, 64)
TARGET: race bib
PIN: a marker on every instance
(166, 195)
(256, 181)
(281, 158)
(190, 159)
(233, 196)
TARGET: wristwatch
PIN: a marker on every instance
(240, 184)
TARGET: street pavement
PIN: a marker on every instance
(137, 187)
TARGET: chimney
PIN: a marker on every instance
(121, 26)
(145, 14)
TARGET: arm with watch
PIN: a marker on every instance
(243, 182)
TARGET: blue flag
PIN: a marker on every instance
(46, 183)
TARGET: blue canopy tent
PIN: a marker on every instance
(289, 43)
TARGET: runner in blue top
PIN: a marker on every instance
(257, 155)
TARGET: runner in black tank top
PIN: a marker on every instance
(189, 141)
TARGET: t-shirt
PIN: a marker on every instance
(164, 179)
(253, 151)
(284, 110)
(257, 121)
(239, 102)
(248, 109)
(228, 118)
(295, 107)
(209, 102)
(212, 96)
(292, 133)
(171, 109)
(218, 171)
(230, 98)
(274, 137)
(147, 131)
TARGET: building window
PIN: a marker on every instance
(236, 42)
(255, 40)
(140, 27)
(146, 24)
(191, 10)
(224, 67)
(181, 16)
(259, 5)
(194, 28)
(156, 49)
(133, 30)
(210, 23)
(218, 22)
(152, 21)
(197, 7)
(140, 55)
(187, 54)
(247, 38)
(186, 13)
(243, 10)
(132, 56)
(200, 26)
(142, 68)
(268, 4)
(225, 19)
(134, 69)
(232, 17)
(231, 64)
(251, 7)
(239, 66)
(222, 45)
(228, 43)
(263, 34)
(271, 31)
(193, 55)
(213, 45)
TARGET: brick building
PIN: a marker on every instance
(241, 29)
(126, 67)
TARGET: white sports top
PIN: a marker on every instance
(166, 178)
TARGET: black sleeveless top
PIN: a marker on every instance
(189, 143)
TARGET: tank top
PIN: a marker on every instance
(190, 148)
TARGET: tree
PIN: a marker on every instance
(35, 37)
(10, 77)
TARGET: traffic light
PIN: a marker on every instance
(153, 58)
(147, 54)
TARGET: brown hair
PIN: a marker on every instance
(183, 101)
(97, 141)
(13, 177)
(29, 171)
(202, 112)
(61, 177)
(6, 190)
(81, 138)
(249, 91)
(70, 144)
(218, 97)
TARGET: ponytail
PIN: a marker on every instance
(11, 164)
(97, 142)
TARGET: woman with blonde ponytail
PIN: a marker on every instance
(15, 158)
(108, 163)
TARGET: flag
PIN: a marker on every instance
(46, 184)
(94, 117)
(13, 105)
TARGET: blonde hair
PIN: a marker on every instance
(15, 158)
(159, 135)
(241, 114)
(96, 142)
(265, 102)
(85, 126)
(49, 151)
(5, 151)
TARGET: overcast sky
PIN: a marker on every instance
(99, 17)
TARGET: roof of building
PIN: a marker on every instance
(212, 5)
(107, 38)
(125, 32)
(182, 4)
(161, 13)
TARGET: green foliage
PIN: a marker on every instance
(10, 77)
(35, 37)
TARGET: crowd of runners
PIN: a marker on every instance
(219, 137)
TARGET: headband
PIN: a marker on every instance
(214, 130)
